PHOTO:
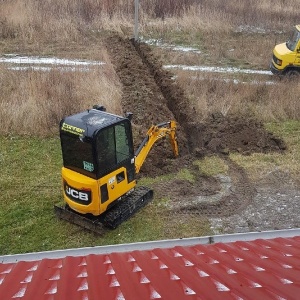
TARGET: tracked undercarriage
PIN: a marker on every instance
(112, 218)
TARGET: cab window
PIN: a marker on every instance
(113, 146)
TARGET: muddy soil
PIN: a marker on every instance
(150, 93)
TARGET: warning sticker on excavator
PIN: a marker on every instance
(88, 166)
(72, 129)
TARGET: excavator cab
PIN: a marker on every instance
(98, 159)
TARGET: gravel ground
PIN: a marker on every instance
(274, 207)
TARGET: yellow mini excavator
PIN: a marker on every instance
(100, 166)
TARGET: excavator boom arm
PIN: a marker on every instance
(155, 133)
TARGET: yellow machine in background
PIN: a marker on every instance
(100, 167)
(286, 56)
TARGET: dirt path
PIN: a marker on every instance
(151, 94)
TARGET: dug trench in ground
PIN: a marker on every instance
(150, 93)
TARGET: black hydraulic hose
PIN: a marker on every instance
(144, 142)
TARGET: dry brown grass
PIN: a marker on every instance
(277, 101)
(56, 20)
(239, 33)
(33, 102)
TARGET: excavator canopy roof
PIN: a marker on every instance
(87, 123)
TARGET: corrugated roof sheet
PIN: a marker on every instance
(258, 269)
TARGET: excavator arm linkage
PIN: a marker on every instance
(155, 133)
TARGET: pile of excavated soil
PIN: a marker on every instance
(219, 134)
(150, 93)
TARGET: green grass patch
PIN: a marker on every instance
(211, 166)
(183, 174)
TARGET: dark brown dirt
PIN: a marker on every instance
(150, 93)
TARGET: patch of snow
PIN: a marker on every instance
(217, 69)
(48, 69)
(252, 29)
(256, 29)
(16, 59)
(160, 44)
(235, 81)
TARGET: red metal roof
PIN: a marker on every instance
(259, 269)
